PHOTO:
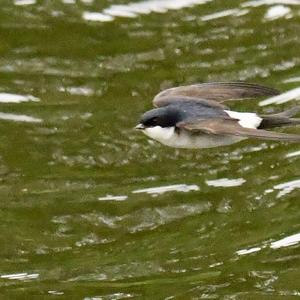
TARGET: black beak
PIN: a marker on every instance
(139, 127)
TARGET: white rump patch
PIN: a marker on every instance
(247, 120)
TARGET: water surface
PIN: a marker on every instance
(91, 209)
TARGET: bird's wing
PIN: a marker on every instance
(228, 126)
(166, 100)
(215, 91)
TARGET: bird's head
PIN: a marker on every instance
(163, 117)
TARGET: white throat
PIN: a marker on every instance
(160, 134)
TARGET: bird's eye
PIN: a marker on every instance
(151, 122)
(154, 121)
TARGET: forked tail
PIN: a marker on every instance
(281, 119)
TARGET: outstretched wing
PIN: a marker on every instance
(215, 91)
(164, 101)
(228, 126)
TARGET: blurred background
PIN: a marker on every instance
(91, 209)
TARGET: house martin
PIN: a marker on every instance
(195, 116)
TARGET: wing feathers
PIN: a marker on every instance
(213, 94)
(220, 126)
(164, 101)
(217, 91)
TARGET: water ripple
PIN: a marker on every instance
(169, 188)
(15, 98)
(19, 118)
(20, 276)
(293, 154)
(152, 218)
(286, 242)
(276, 12)
(282, 243)
(24, 2)
(287, 187)
(225, 182)
(134, 9)
(113, 198)
(293, 94)
(225, 13)
(114, 296)
(257, 3)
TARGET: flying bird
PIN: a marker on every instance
(194, 116)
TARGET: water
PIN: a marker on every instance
(91, 209)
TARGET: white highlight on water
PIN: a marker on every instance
(57, 293)
(276, 12)
(168, 188)
(77, 90)
(95, 16)
(257, 3)
(225, 13)
(19, 118)
(293, 154)
(113, 198)
(286, 242)
(225, 182)
(24, 2)
(293, 94)
(20, 276)
(15, 98)
(134, 9)
(287, 187)
(248, 251)
(292, 79)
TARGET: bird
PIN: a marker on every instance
(195, 116)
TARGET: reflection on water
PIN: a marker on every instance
(18, 118)
(293, 94)
(277, 11)
(292, 154)
(287, 187)
(225, 13)
(162, 189)
(19, 276)
(13, 98)
(90, 209)
(285, 242)
(24, 2)
(133, 9)
(113, 198)
(257, 3)
(225, 182)
(248, 251)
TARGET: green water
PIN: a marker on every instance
(217, 234)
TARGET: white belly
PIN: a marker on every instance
(184, 139)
